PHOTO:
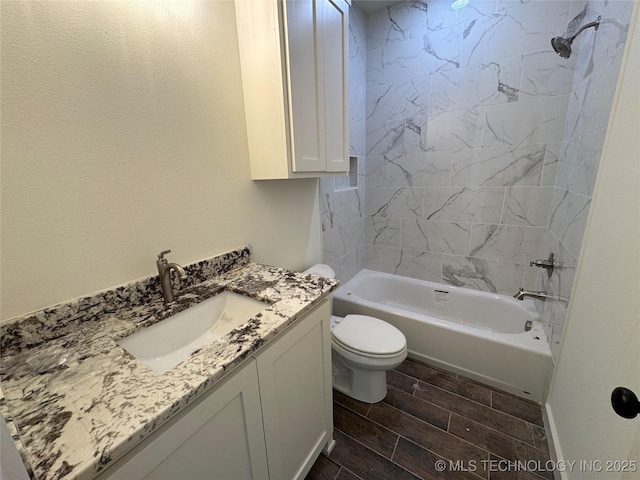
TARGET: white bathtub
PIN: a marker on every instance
(477, 334)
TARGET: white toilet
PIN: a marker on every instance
(363, 348)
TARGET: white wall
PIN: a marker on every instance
(600, 344)
(123, 134)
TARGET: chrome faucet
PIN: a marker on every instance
(526, 293)
(164, 270)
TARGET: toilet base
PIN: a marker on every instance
(368, 386)
(371, 389)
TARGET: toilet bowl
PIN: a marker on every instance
(363, 348)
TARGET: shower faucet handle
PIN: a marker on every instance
(548, 264)
(543, 263)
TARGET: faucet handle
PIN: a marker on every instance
(548, 264)
(162, 254)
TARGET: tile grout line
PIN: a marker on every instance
(413, 441)
(419, 445)
(436, 454)
(342, 467)
(504, 434)
(490, 390)
(531, 472)
(461, 396)
(379, 454)
(515, 416)
(493, 395)
(477, 403)
(527, 424)
(395, 446)
(352, 410)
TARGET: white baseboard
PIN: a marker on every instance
(329, 447)
(554, 448)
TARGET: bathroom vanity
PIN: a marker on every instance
(255, 403)
(269, 418)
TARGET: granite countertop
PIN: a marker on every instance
(80, 401)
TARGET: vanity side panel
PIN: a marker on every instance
(295, 390)
(262, 54)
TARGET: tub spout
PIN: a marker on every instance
(522, 293)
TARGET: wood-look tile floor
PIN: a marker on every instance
(430, 416)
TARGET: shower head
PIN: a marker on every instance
(562, 46)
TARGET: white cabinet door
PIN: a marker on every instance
(294, 56)
(335, 57)
(219, 437)
(295, 388)
(317, 36)
(306, 94)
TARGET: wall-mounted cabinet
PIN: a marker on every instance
(294, 57)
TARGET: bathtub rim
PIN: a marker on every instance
(526, 306)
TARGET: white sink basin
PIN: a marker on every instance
(165, 344)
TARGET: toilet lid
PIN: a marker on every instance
(365, 334)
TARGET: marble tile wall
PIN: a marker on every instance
(465, 114)
(599, 55)
(482, 154)
(342, 206)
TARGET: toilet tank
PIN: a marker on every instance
(322, 270)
